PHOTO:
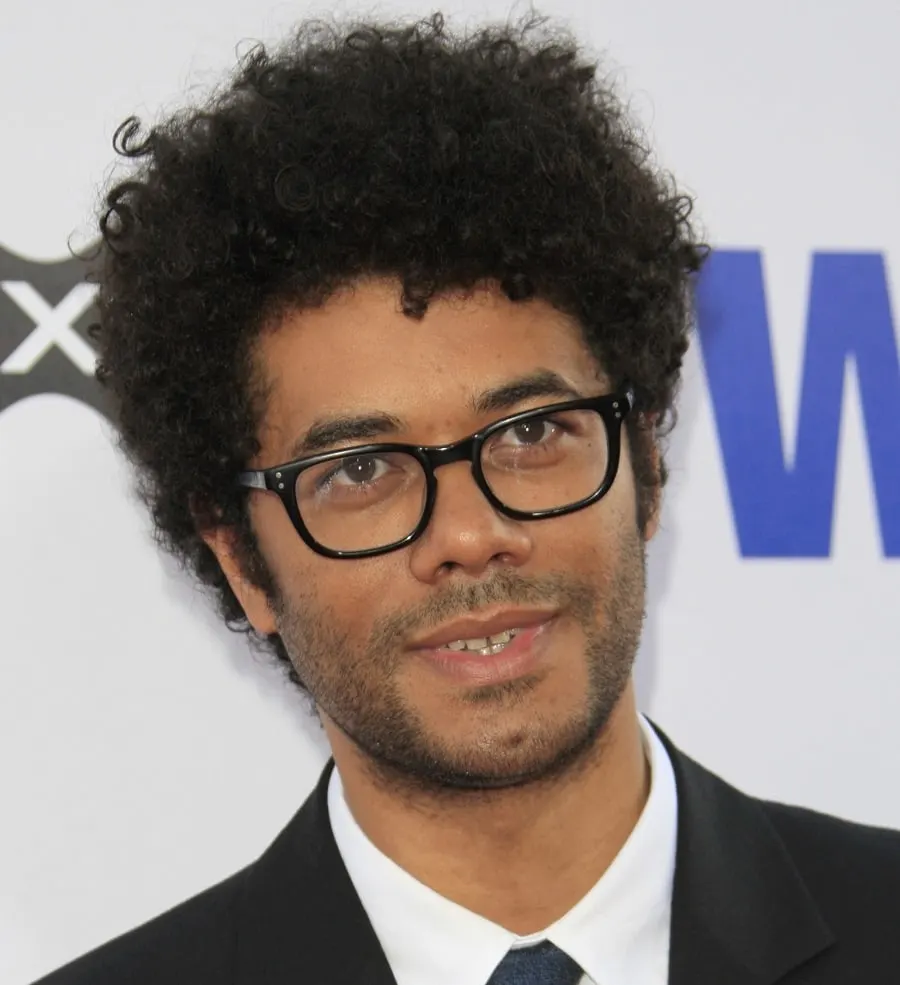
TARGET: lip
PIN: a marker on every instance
(523, 655)
(478, 627)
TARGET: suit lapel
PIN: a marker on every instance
(301, 921)
(740, 911)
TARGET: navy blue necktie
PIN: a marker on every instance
(540, 964)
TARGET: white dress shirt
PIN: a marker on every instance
(618, 932)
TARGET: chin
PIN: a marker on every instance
(514, 757)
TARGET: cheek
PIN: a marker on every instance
(348, 594)
(351, 594)
(592, 538)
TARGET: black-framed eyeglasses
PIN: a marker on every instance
(374, 498)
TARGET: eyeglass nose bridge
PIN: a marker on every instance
(465, 450)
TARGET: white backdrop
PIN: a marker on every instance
(145, 753)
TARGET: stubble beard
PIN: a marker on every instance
(359, 690)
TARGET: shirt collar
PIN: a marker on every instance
(618, 932)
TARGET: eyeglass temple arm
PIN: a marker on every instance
(252, 480)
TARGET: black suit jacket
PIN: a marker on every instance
(763, 893)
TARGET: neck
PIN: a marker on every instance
(520, 857)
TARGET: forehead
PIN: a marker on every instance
(358, 351)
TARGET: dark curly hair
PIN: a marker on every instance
(409, 151)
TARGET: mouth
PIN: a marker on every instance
(483, 646)
(483, 630)
(511, 653)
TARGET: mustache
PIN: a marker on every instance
(503, 588)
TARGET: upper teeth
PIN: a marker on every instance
(483, 642)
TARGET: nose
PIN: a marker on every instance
(465, 532)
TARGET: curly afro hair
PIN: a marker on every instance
(409, 151)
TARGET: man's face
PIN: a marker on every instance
(353, 628)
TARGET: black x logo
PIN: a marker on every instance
(45, 309)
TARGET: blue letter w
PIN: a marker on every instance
(783, 510)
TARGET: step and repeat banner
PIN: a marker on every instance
(145, 752)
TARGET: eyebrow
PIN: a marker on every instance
(326, 433)
(540, 383)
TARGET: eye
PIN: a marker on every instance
(366, 477)
(357, 471)
(537, 431)
(533, 442)
(534, 431)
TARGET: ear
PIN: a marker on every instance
(253, 600)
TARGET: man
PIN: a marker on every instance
(393, 327)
